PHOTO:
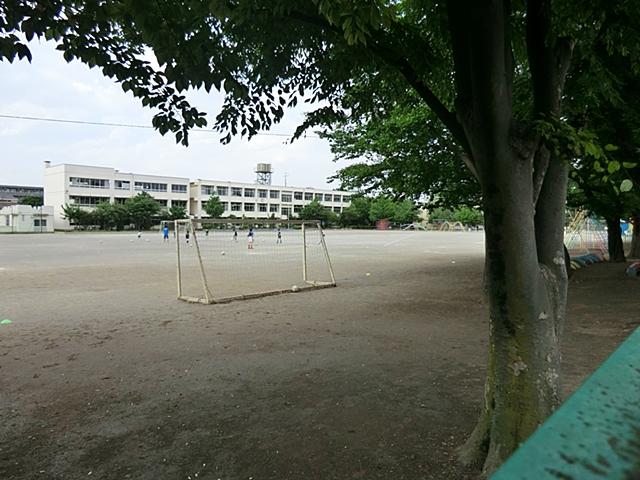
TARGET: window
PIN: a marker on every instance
(87, 201)
(262, 207)
(39, 222)
(336, 209)
(262, 193)
(328, 197)
(162, 203)
(336, 198)
(236, 207)
(207, 190)
(274, 207)
(179, 188)
(308, 196)
(346, 198)
(249, 207)
(7, 220)
(179, 203)
(297, 208)
(88, 182)
(297, 195)
(286, 211)
(119, 200)
(225, 205)
(150, 187)
(223, 191)
(249, 192)
(318, 196)
(274, 193)
(286, 197)
(122, 184)
(236, 191)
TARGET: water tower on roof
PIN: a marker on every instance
(264, 173)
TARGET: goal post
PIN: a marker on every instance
(221, 260)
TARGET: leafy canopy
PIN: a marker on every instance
(213, 206)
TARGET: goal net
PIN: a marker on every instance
(222, 260)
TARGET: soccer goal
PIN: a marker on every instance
(220, 260)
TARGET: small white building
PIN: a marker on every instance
(26, 219)
(255, 200)
(87, 186)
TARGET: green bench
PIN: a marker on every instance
(595, 434)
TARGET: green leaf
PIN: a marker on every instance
(626, 185)
(610, 147)
(613, 166)
(597, 166)
(629, 164)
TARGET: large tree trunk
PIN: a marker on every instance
(635, 238)
(524, 193)
(614, 240)
(527, 296)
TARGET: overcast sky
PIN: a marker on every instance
(50, 87)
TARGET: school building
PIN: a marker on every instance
(87, 186)
(254, 200)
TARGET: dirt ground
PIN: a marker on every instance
(103, 374)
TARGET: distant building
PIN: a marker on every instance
(87, 186)
(12, 194)
(26, 219)
(262, 201)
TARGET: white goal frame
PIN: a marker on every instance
(208, 296)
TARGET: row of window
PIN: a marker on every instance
(85, 201)
(37, 222)
(273, 194)
(263, 207)
(125, 185)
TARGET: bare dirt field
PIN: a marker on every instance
(104, 374)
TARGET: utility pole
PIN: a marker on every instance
(285, 175)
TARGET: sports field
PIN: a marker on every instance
(104, 374)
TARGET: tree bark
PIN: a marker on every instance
(614, 240)
(635, 238)
(525, 275)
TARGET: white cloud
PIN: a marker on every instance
(52, 88)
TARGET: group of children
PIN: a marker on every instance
(250, 236)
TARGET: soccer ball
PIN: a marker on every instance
(295, 288)
(223, 253)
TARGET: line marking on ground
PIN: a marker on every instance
(435, 253)
(388, 244)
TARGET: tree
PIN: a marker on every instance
(214, 207)
(405, 212)
(357, 213)
(401, 149)
(77, 215)
(381, 208)
(103, 215)
(142, 209)
(634, 251)
(316, 211)
(471, 217)
(178, 212)
(461, 58)
(32, 200)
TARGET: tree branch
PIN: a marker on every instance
(383, 47)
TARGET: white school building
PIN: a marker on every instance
(254, 200)
(87, 186)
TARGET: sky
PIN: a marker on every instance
(50, 87)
